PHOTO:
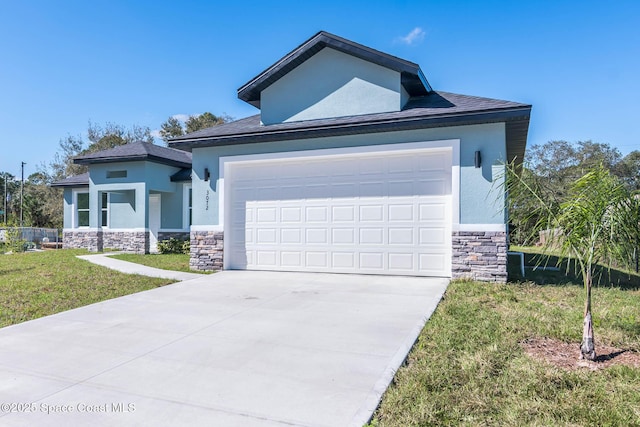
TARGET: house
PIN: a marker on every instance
(354, 164)
(133, 196)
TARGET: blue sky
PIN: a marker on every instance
(64, 64)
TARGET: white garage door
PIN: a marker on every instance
(372, 214)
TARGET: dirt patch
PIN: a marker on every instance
(567, 356)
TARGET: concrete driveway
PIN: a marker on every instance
(237, 348)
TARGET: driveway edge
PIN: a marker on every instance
(368, 408)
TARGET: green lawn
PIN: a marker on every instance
(36, 284)
(468, 366)
(176, 262)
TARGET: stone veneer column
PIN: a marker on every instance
(480, 255)
(206, 250)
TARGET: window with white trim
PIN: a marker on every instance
(187, 203)
(82, 209)
(104, 209)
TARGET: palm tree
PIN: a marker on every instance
(596, 224)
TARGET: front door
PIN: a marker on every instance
(154, 222)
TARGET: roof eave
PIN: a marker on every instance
(69, 184)
(386, 125)
(138, 158)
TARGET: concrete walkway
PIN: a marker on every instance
(236, 348)
(132, 268)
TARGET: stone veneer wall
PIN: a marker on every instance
(128, 241)
(98, 240)
(90, 240)
(206, 250)
(480, 255)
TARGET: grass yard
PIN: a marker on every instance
(469, 366)
(176, 262)
(36, 284)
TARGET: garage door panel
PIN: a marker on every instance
(341, 236)
(401, 212)
(372, 261)
(266, 236)
(266, 215)
(316, 259)
(266, 258)
(377, 214)
(290, 215)
(432, 236)
(343, 213)
(401, 262)
(291, 259)
(433, 263)
(316, 214)
(371, 236)
(291, 236)
(371, 213)
(431, 187)
(433, 212)
(401, 236)
(343, 260)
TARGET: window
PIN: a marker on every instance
(187, 206)
(82, 203)
(190, 205)
(104, 209)
(116, 174)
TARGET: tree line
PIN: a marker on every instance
(550, 170)
(41, 204)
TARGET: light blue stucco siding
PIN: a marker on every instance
(481, 201)
(331, 84)
(127, 209)
(67, 197)
(129, 195)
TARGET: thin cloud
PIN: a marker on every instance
(182, 117)
(415, 36)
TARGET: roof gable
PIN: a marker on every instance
(412, 78)
(138, 151)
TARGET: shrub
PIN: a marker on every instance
(14, 241)
(174, 246)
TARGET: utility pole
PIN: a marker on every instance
(4, 176)
(22, 196)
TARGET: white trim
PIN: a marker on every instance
(451, 145)
(155, 213)
(439, 145)
(108, 209)
(128, 230)
(74, 210)
(480, 227)
(114, 230)
(185, 204)
(216, 228)
(82, 229)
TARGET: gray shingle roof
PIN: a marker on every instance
(183, 174)
(434, 110)
(412, 78)
(137, 151)
(73, 181)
